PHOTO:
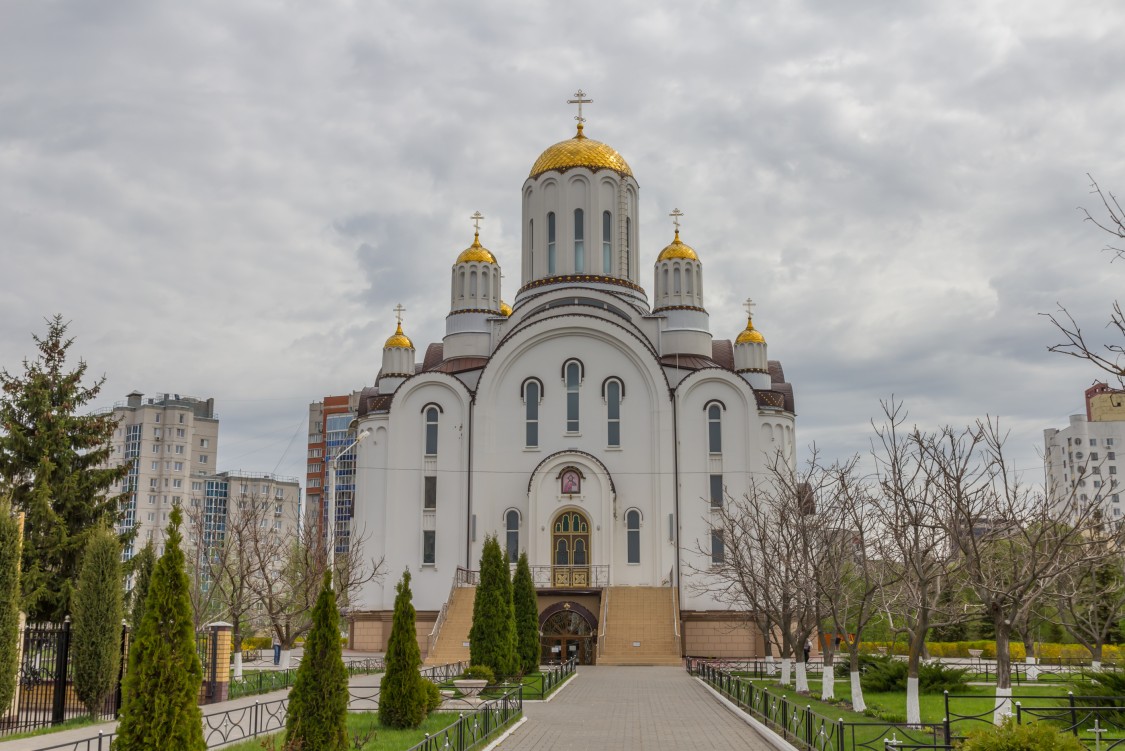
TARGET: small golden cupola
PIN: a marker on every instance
(679, 274)
(398, 357)
(580, 151)
(750, 357)
(474, 299)
(505, 309)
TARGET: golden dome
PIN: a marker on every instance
(476, 252)
(505, 309)
(580, 151)
(399, 340)
(750, 335)
(677, 250)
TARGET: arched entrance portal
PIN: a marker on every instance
(570, 546)
(567, 630)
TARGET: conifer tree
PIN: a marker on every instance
(9, 600)
(53, 456)
(98, 608)
(159, 708)
(526, 604)
(402, 697)
(143, 563)
(492, 638)
(318, 704)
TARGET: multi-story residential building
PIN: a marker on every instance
(329, 420)
(171, 442)
(1081, 459)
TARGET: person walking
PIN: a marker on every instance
(276, 650)
(808, 649)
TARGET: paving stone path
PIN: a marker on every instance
(651, 708)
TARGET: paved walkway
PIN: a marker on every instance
(632, 708)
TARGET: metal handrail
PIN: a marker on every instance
(604, 618)
(676, 614)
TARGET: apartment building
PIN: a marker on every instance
(1081, 461)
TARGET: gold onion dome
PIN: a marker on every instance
(505, 309)
(750, 335)
(580, 151)
(677, 250)
(399, 340)
(476, 252)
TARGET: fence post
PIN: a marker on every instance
(62, 661)
(808, 725)
(1073, 714)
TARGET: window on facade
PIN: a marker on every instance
(429, 499)
(204, 443)
(579, 241)
(550, 242)
(715, 429)
(462, 290)
(573, 380)
(1113, 470)
(203, 458)
(531, 414)
(718, 550)
(1108, 441)
(431, 431)
(633, 535)
(531, 248)
(607, 243)
(676, 280)
(473, 284)
(613, 413)
(1094, 454)
(688, 275)
(512, 535)
(716, 491)
(628, 243)
(429, 547)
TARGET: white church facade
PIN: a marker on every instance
(586, 425)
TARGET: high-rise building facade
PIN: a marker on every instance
(329, 420)
(1081, 459)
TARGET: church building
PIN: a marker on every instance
(586, 424)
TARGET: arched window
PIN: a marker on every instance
(664, 287)
(530, 248)
(512, 534)
(579, 242)
(633, 535)
(486, 284)
(531, 395)
(462, 284)
(472, 284)
(607, 243)
(431, 431)
(715, 429)
(550, 242)
(573, 381)
(613, 412)
(676, 280)
(688, 276)
(628, 246)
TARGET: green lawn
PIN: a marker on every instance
(71, 724)
(362, 723)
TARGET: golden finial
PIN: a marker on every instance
(676, 214)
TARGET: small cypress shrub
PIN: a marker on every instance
(402, 697)
(159, 708)
(98, 607)
(318, 704)
(143, 563)
(1034, 736)
(526, 604)
(9, 602)
(492, 638)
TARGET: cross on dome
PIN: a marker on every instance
(580, 99)
(476, 217)
(399, 310)
(749, 305)
(676, 214)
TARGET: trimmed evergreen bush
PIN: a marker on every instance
(886, 674)
(98, 609)
(143, 563)
(433, 695)
(526, 604)
(318, 703)
(1034, 736)
(492, 638)
(159, 709)
(9, 601)
(402, 697)
(479, 673)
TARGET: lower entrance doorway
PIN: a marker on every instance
(567, 630)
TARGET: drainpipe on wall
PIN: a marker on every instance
(469, 493)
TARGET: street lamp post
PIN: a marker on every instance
(331, 533)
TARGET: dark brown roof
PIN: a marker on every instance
(459, 364)
(688, 362)
(722, 352)
(433, 356)
(777, 375)
(770, 398)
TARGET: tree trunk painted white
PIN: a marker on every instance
(1096, 665)
(236, 667)
(913, 708)
(828, 684)
(771, 666)
(285, 653)
(786, 671)
(1003, 705)
(858, 704)
(802, 677)
(1032, 671)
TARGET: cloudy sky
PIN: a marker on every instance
(227, 198)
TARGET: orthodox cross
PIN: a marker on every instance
(580, 99)
(676, 214)
(399, 310)
(476, 217)
(749, 305)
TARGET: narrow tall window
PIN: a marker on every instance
(633, 535)
(607, 243)
(688, 276)
(530, 248)
(429, 547)
(716, 491)
(676, 280)
(550, 242)
(628, 245)
(531, 414)
(431, 431)
(715, 429)
(512, 535)
(613, 413)
(573, 378)
(429, 500)
(718, 550)
(579, 242)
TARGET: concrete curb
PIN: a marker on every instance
(505, 734)
(554, 693)
(768, 735)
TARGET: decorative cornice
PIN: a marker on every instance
(679, 307)
(581, 279)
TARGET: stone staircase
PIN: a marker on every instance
(453, 633)
(645, 615)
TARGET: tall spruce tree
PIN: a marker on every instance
(143, 563)
(98, 609)
(159, 708)
(526, 604)
(9, 599)
(54, 458)
(402, 697)
(318, 704)
(492, 638)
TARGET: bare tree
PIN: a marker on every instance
(1091, 597)
(204, 543)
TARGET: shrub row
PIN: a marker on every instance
(1047, 651)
